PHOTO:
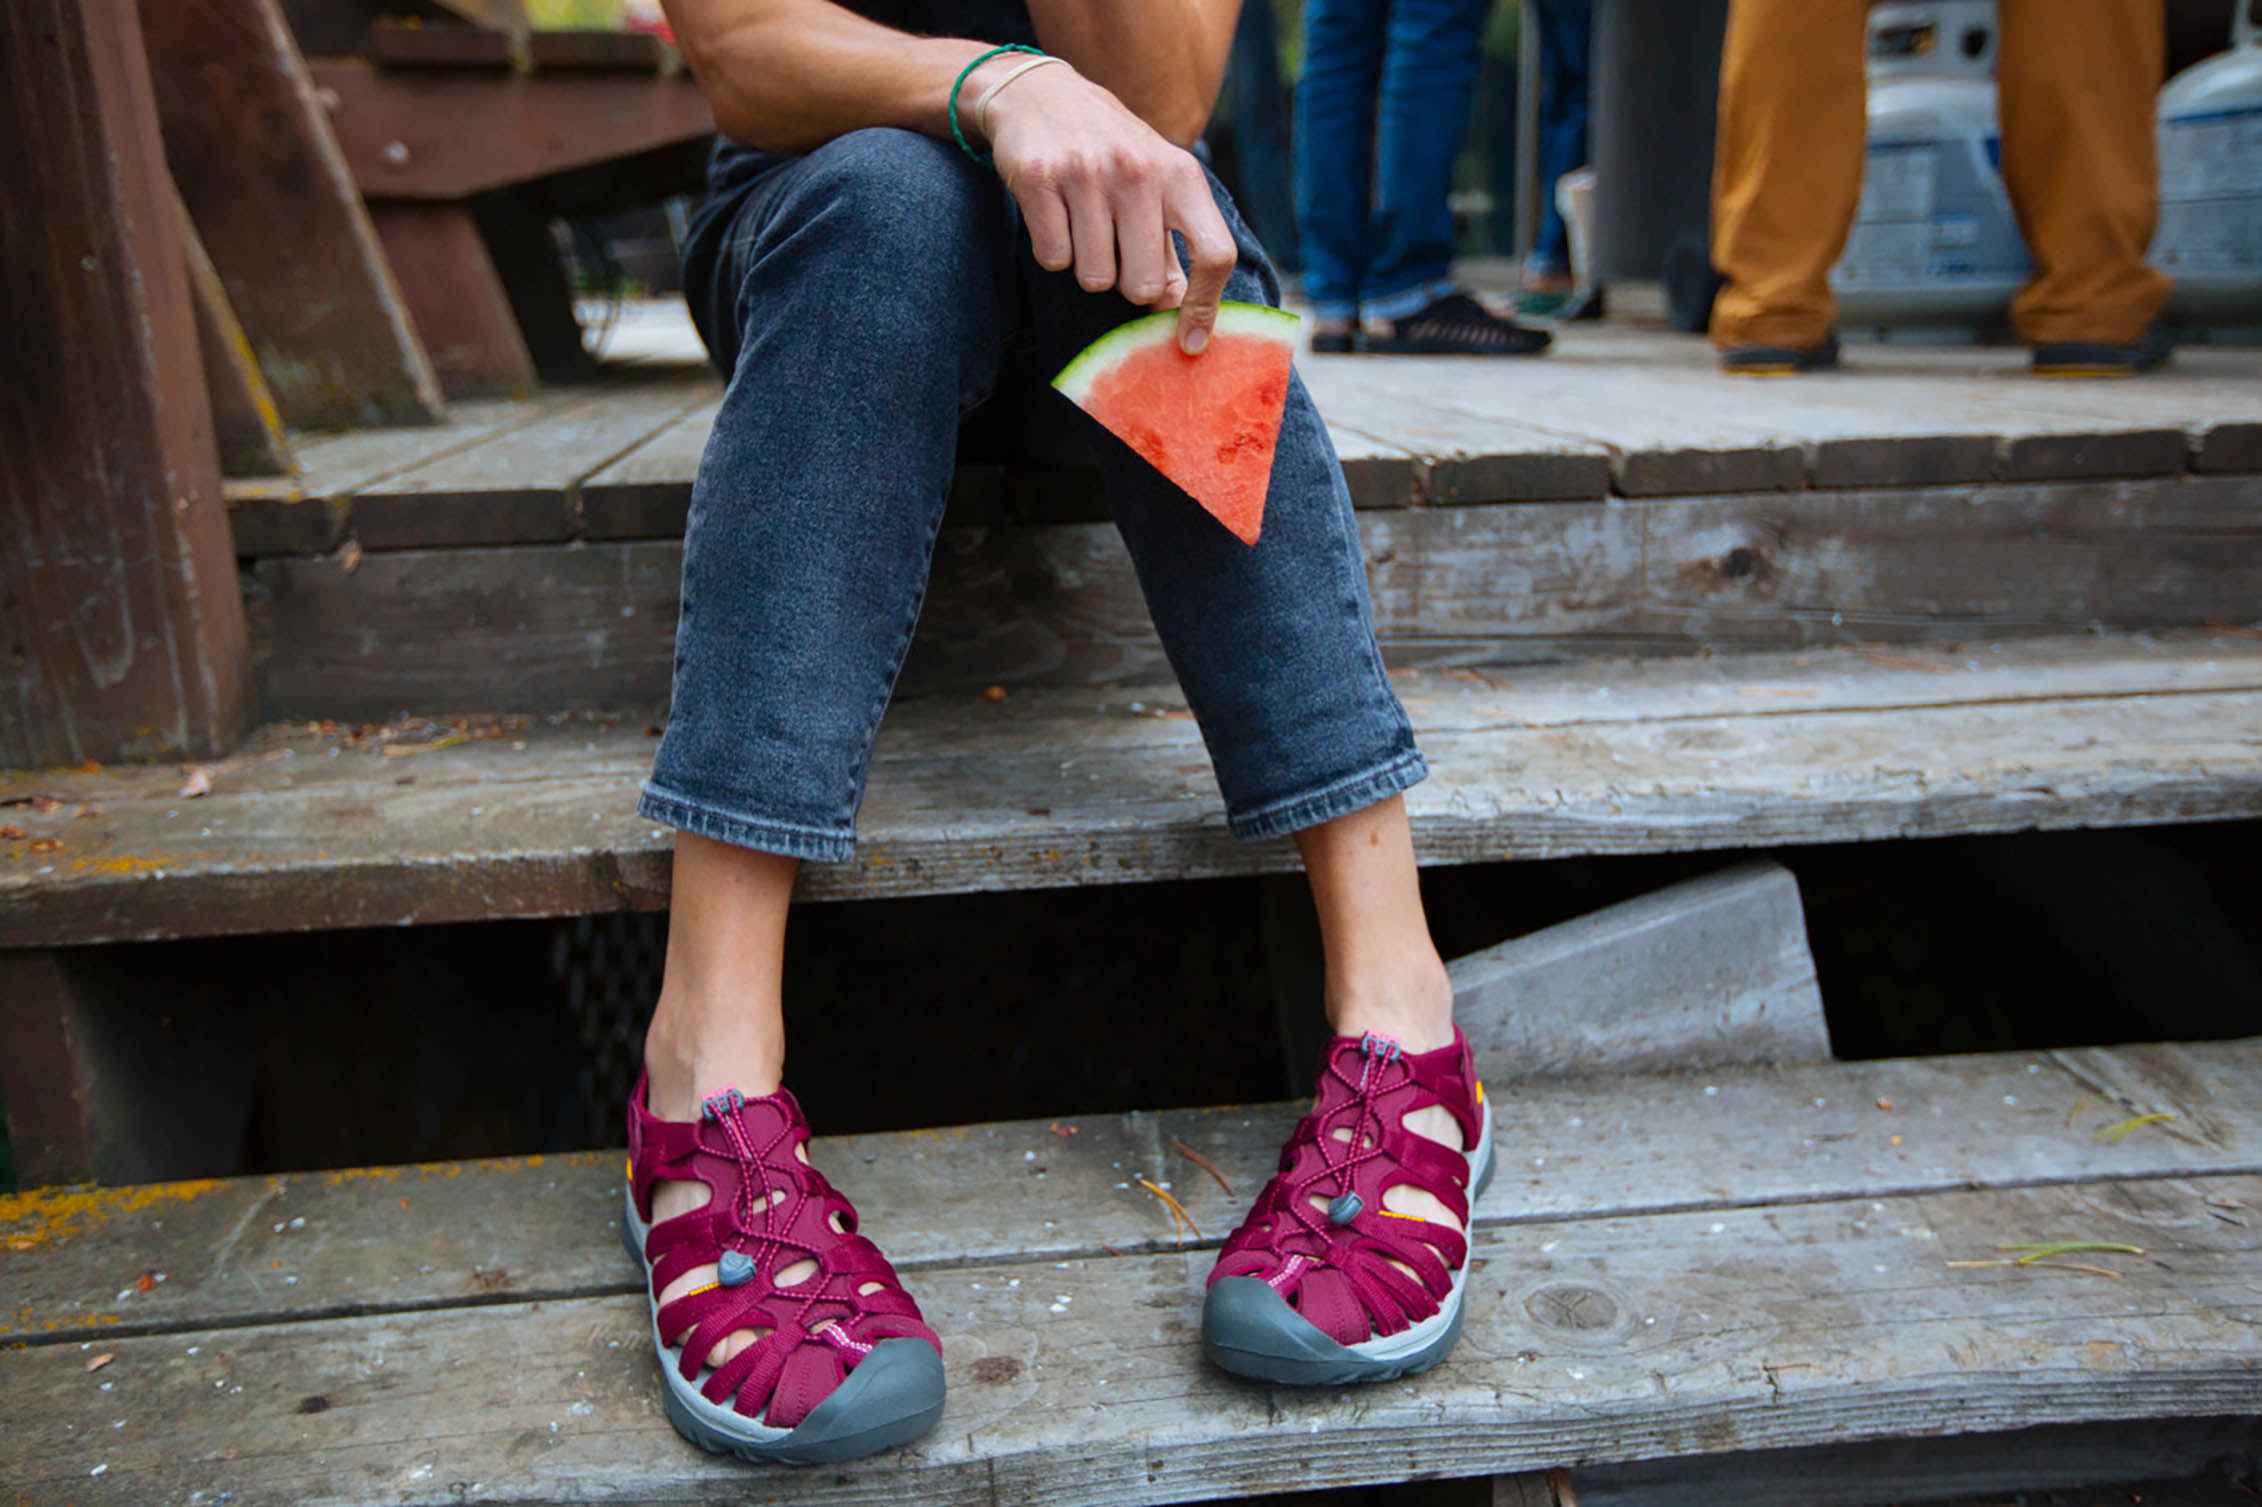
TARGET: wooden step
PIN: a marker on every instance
(1669, 1267)
(1620, 498)
(413, 823)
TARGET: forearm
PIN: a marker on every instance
(790, 75)
(1165, 59)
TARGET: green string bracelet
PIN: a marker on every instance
(966, 72)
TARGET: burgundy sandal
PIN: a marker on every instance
(1304, 1295)
(848, 1368)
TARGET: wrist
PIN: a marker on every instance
(979, 67)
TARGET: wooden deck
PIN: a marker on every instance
(1612, 412)
(1669, 1268)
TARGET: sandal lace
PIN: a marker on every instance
(775, 1238)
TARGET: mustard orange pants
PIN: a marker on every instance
(2077, 79)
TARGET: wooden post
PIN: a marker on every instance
(120, 1065)
(119, 612)
(251, 147)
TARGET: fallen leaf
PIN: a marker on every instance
(1059, 1129)
(104, 1359)
(2113, 1135)
(1884, 1104)
(146, 1282)
(349, 555)
(46, 845)
(403, 750)
(1202, 1162)
(993, 693)
(199, 782)
(7, 833)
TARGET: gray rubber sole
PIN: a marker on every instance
(1248, 1328)
(894, 1395)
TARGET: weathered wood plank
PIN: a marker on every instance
(247, 427)
(398, 46)
(1658, 444)
(1599, 1340)
(251, 149)
(308, 513)
(970, 795)
(447, 134)
(1060, 603)
(1460, 459)
(522, 484)
(541, 1227)
(1705, 973)
(455, 296)
(124, 630)
(1962, 1467)
(646, 493)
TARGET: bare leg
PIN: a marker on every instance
(720, 1021)
(1383, 971)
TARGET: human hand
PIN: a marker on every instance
(1101, 192)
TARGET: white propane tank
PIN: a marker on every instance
(1934, 242)
(2210, 238)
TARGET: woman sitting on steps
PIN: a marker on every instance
(907, 222)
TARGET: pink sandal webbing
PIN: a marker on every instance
(1334, 1265)
(768, 1210)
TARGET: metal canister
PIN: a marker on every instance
(1935, 241)
(2210, 237)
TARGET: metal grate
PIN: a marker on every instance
(609, 969)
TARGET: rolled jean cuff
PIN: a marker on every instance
(1334, 308)
(704, 820)
(1337, 798)
(1406, 300)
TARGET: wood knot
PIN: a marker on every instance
(996, 1370)
(315, 1404)
(1572, 1306)
(1738, 562)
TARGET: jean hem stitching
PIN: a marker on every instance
(1327, 802)
(783, 838)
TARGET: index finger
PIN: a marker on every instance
(1211, 257)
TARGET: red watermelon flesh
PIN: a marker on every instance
(1208, 422)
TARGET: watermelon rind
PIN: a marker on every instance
(1076, 378)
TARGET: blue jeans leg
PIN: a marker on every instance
(1334, 148)
(862, 298)
(1429, 73)
(1258, 135)
(1273, 645)
(857, 303)
(1565, 39)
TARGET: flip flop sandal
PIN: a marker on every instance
(1323, 1284)
(1456, 325)
(848, 1368)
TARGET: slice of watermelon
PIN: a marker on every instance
(1207, 422)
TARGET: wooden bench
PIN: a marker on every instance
(1671, 1269)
